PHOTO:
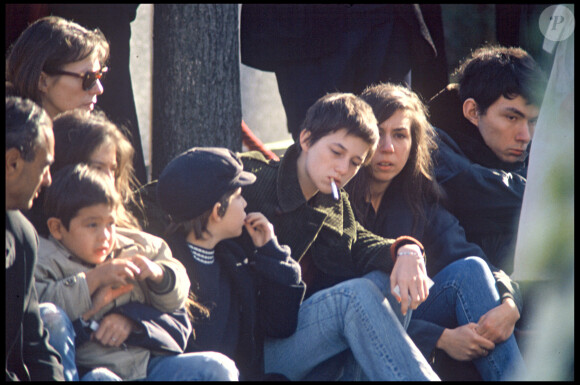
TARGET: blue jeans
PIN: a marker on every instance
(352, 317)
(62, 338)
(204, 366)
(463, 292)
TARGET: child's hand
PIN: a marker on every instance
(259, 228)
(113, 330)
(148, 269)
(117, 272)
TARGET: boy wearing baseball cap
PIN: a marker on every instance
(242, 298)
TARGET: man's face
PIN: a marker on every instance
(32, 176)
(507, 127)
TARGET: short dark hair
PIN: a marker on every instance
(493, 71)
(336, 111)
(75, 187)
(47, 45)
(199, 224)
(25, 121)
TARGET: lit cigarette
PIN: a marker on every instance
(334, 189)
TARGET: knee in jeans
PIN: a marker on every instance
(57, 322)
(361, 286)
(222, 367)
(476, 266)
(53, 316)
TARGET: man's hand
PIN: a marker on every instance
(113, 330)
(259, 228)
(410, 274)
(498, 324)
(464, 344)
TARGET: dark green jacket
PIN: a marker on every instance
(341, 248)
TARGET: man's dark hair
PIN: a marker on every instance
(24, 122)
(493, 71)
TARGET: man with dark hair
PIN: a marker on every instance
(485, 125)
(29, 154)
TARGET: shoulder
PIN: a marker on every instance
(52, 256)
(255, 161)
(448, 155)
(266, 172)
(20, 227)
(148, 241)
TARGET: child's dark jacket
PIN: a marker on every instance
(265, 287)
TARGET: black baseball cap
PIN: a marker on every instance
(194, 181)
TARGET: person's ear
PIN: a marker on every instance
(304, 139)
(43, 82)
(13, 163)
(471, 111)
(215, 213)
(55, 227)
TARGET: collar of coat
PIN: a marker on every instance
(290, 196)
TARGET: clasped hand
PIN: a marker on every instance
(121, 271)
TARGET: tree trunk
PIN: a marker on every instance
(196, 80)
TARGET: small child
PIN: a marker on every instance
(87, 262)
(248, 297)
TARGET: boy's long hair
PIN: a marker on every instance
(417, 176)
(199, 224)
(195, 309)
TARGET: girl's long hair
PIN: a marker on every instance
(417, 177)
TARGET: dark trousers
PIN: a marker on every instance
(366, 56)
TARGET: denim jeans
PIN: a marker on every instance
(463, 292)
(353, 317)
(61, 337)
(204, 366)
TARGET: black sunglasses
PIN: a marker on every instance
(89, 78)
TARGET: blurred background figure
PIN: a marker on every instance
(318, 49)
(547, 221)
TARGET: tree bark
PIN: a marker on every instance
(196, 80)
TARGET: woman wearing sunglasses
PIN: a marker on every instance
(58, 64)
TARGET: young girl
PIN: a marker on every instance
(94, 140)
(349, 310)
(397, 194)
